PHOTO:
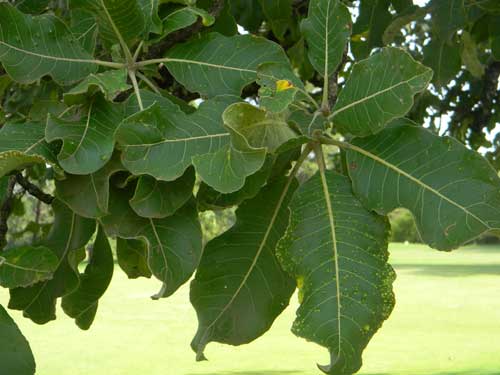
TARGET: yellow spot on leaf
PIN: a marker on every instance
(283, 85)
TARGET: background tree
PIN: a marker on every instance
(130, 120)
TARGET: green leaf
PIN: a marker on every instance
(110, 83)
(448, 16)
(32, 47)
(279, 86)
(31, 6)
(238, 300)
(87, 143)
(152, 20)
(368, 30)
(380, 89)
(88, 195)
(27, 265)
(326, 30)
(132, 258)
(159, 199)
(410, 14)
(278, 14)
(163, 132)
(470, 56)
(210, 199)
(15, 356)
(174, 243)
(178, 19)
(337, 252)
(184, 17)
(23, 144)
(444, 59)
(84, 28)
(259, 128)
(248, 13)
(82, 304)
(68, 234)
(119, 21)
(408, 166)
(217, 65)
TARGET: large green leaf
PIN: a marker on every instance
(152, 20)
(119, 21)
(444, 58)
(448, 16)
(23, 144)
(174, 243)
(380, 89)
(453, 193)
(27, 265)
(15, 353)
(326, 30)
(87, 143)
(163, 141)
(32, 47)
(159, 199)
(337, 252)
(217, 65)
(110, 83)
(84, 28)
(368, 30)
(239, 299)
(88, 195)
(82, 303)
(132, 258)
(69, 233)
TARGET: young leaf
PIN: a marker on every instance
(337, 252)
(218, 65)
(23, 144)
(32, 47)
(408, 166)
(15, 353)
(87, 143)
(82, 303)
(88, 195)
(239, 299)
(326, 30)
(174, 243)
(379, 89)
(132, 258)
(69, 233)
(27, 265)
(110, 83)
(158, 199)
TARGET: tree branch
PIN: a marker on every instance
(159, 49)
(6, 210)
(33, 189)
(334, 79)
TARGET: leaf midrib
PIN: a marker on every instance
(416, 180)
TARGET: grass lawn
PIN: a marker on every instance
(446, 322)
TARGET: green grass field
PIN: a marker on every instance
(446, 322)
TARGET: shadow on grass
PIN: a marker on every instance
(280, 372)
(451, 270)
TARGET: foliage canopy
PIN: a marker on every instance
(136, 115)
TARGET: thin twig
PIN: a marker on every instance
(148, 82)
(334, 79)
(33, 190)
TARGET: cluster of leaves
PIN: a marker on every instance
(95, 100)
